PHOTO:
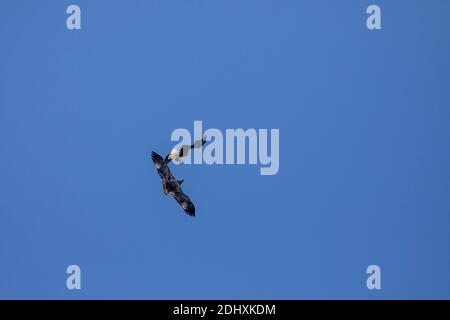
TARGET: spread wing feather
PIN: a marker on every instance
(184, 201)
(171, 185)
(161, 167)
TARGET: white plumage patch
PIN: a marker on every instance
(174, 154)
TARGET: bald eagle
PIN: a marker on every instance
(171, 185)
(183, 151)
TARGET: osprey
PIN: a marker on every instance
(184, 150)
(171, 185)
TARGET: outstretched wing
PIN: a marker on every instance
(199, 143)
(184, 201)
(157, 160)
(183, 151)
(161, 167)
(172, 186)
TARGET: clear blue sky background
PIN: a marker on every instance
(365, 159)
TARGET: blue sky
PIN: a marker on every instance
(364, 149)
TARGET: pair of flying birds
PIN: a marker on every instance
(171, 185)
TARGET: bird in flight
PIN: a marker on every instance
(171, 185)
(183, 151)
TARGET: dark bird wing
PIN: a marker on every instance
(184, 201)
(163, 171)
(157, 160)
(161, 167)
(171, 185)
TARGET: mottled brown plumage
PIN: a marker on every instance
(171, 185)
